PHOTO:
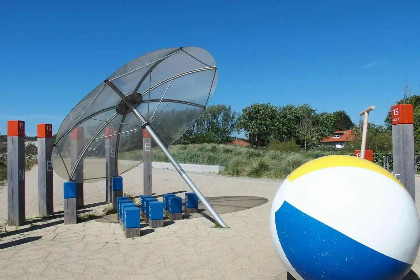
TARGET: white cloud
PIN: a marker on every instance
(374, 63)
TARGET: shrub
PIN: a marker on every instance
(288, 146)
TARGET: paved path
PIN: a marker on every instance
(187, 249)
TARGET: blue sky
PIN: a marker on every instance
(332, 55)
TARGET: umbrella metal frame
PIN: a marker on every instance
(174, 162)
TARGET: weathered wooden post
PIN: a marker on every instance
(45, 171)
(365, 113)
(16, 172)
(147, 163)
(77, 144)
(70, 203)
(111, 170)
(403, 145)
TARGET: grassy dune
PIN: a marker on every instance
(241, 161)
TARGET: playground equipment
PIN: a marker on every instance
(162, 92)
(342, 217)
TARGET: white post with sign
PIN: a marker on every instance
(147, 163)
(45, 171)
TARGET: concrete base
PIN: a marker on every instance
(175, 216)
(165, 213)
(70, 211)
(132, 232)
(156, 223)
(146, 218)
(191, 210)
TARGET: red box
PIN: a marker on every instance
(44, 130)
(146, 134)
(16, 128)
(402, 114)
(368, 154)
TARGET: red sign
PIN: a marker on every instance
(146, 134)
(402, 114)
(16, 128)
(44, 130)
(368, 154)
(110, 132)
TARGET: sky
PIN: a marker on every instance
(333, 55)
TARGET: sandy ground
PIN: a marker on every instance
(187, 249)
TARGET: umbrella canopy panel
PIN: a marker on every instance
(170, 88)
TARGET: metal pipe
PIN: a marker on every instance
(184, 175)
(174, 162)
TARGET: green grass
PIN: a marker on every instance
(243, 161)
(87, 217)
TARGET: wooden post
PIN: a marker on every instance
(147, 163)
(70, 203)
(403, 145)
(110, 140)
(16, 172)
(45, 171)
(365, 127)
(77, 144)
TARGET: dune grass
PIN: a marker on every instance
(241, 161)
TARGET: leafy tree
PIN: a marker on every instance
(308, 131)
(258, 121)
(326, 124)
(287, 123)
(342, 121)
(303, 124)
(215, 125)
(379, 139)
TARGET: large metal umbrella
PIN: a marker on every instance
(163, 92)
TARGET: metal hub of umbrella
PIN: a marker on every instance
(163, 92)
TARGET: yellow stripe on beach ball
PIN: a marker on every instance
(336, 161)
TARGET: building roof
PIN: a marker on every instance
(344, 136)
(240, 143)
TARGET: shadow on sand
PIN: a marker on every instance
(411, 276)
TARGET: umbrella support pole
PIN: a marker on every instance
(185, 176)
(175, 163)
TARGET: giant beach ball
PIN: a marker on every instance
(342, 217)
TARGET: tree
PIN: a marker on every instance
(308, 130)
(215, 125)
(326, 124)
(301, 123)
(342, 121)
(258, 121)
(287, 123)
